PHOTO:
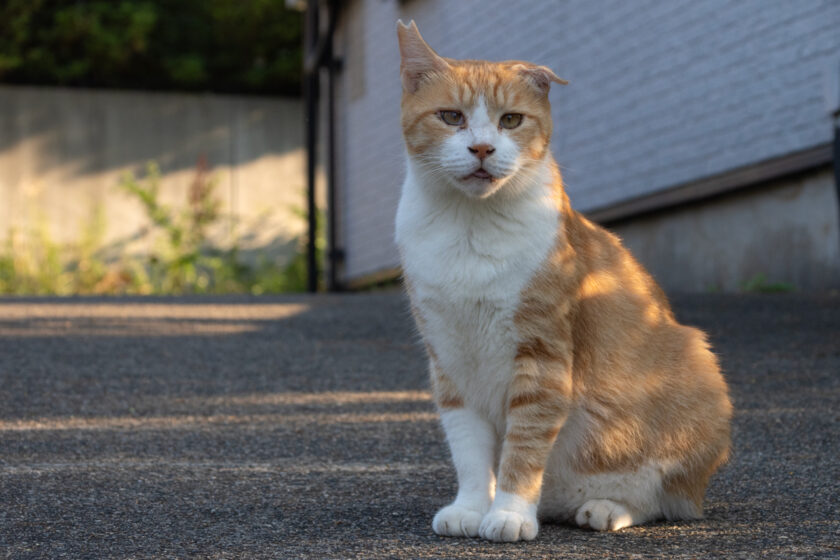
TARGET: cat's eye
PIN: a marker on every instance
(510, 120)
(454, 118)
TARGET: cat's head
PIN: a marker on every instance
(473, 125)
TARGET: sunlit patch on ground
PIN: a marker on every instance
(186, 422)
(136, 319)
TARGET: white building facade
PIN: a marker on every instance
(701, 132)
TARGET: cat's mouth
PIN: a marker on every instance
(481, 173)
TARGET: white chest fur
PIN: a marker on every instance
(468, 261)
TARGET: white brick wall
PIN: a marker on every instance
(370, 142)
(661, 92)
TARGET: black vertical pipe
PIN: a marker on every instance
(311, 94)
(335, 254)
(837, 154)
(837, 159)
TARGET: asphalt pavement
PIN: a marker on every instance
(301, 427)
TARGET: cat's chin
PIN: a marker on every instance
(479, 187)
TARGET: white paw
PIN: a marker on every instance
(457, 521)
(603, 515)
(508, 526)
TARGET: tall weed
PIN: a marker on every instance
(181, 258)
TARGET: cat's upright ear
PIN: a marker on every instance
(539, 77)
(418, 60)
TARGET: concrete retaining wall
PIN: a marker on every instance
(63, 151)
(786, 231)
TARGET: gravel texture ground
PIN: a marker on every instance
(301, 427)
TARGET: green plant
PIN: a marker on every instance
(184, 261)
(181, 259)
(760, 284)
(32, 265)
(295, 273)
(90, 269)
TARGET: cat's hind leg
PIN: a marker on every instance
(606, 501)
(613, 501)
(612, 515)
(606, 515)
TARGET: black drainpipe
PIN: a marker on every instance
(833, 98)
(311, 95)
(837, 156)
(318, 54)
(335, 255)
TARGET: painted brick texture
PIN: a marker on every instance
(660, 93)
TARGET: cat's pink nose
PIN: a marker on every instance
(482, 150)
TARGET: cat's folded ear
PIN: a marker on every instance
(539, 76)
(418, 60)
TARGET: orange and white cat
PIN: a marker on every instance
(566, 388)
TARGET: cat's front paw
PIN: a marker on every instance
(508, 526)
(457, 521)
